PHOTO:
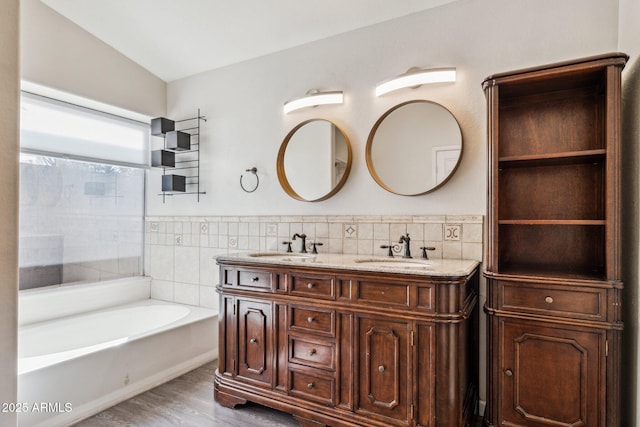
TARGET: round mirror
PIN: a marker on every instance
(314, 160)
(414, 148)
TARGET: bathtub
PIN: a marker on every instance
(73, 363)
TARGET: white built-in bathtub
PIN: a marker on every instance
(84, 348)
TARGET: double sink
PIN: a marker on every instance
(399, 263)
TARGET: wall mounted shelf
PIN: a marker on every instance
(180, 154)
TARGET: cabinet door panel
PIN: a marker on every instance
(255, 341)
(384, 377)
(228, 336)
(425, 375)
(551, 376)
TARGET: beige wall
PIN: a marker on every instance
(59, 54)
(9, 86)
(244, 102)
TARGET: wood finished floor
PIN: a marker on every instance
(187, 401)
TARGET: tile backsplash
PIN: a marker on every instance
(180, 251)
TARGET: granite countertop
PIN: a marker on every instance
(417, 266)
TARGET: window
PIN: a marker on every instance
(81, 194)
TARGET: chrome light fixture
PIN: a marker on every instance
(313, 99)
(416, 77)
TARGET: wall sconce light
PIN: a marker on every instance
(313, 99)
(416, 77)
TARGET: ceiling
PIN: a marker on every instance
(178, 38)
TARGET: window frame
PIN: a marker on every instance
(143, 167)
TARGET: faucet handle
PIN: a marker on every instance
(425, 249)
(288, 243)
(390, 250)
(314, 250)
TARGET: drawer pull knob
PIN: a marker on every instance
(312, 352)
(381, 368)
(255, 279)
(310, 319)
(310, 386)
(508, 373)
(310, 285)
(548, 300)
(253, 340)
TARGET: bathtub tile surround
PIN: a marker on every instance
(181, 250)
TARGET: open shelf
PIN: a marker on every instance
(551, 140)
(576, 249)
(551, 222)
(553, 159)
(550, 124)
(535, 270)
(562, 193)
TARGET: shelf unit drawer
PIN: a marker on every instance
(586, 303)
(315, 286)
(312, 353)
(312, 385)
(314, 320)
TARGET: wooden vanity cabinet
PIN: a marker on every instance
(342, 348)
(255, 341)
(553, 253)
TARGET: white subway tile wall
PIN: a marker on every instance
(180, 251)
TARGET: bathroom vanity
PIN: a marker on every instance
(344, 340)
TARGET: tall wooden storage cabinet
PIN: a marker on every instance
(553, 252)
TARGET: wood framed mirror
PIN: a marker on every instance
(414, 148)
(314, 160)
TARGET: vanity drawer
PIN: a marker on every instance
(255, 279)
(308, 319)
(316, 286)
(588, 303)
(311, 385)
(312, 353)
(384, 293)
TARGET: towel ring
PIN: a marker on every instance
(254, 171)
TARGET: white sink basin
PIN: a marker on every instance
(395, 263)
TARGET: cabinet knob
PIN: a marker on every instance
(310, 386)
(310, 285)
(548, 300)
(253, 340)
(310, 319)
(255, 279)
(312, 352)
(381, 368)
(508, 373)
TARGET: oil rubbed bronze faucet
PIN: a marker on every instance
(303, 237)
(407, 247)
